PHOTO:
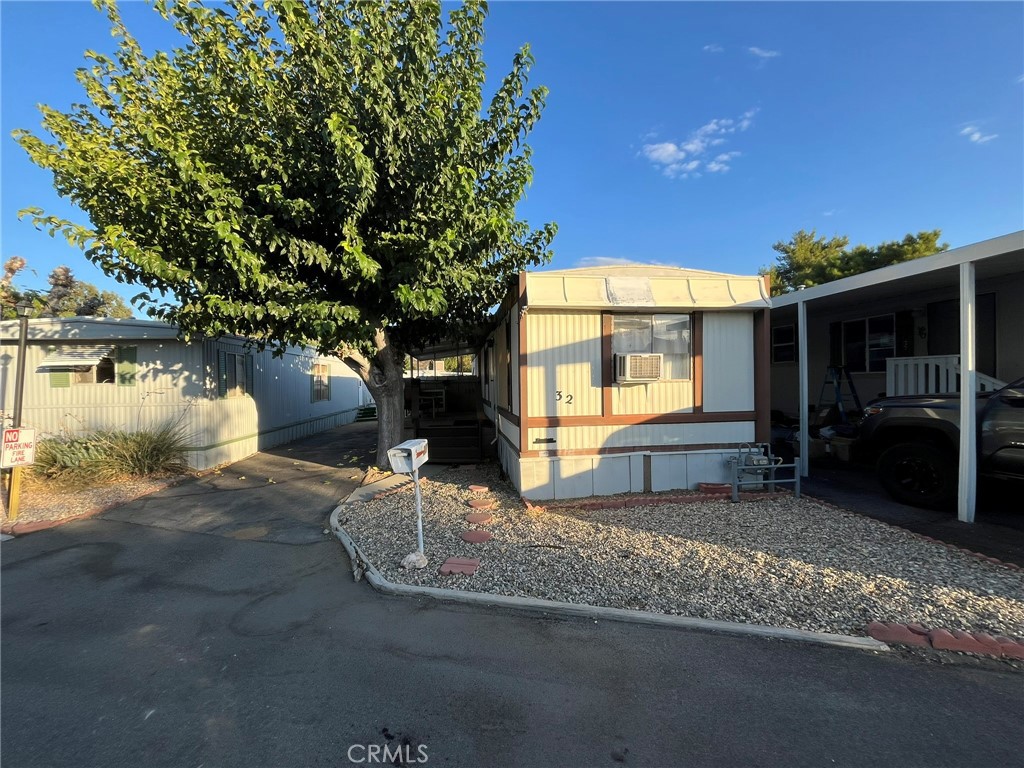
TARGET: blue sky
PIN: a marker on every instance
(692, 134)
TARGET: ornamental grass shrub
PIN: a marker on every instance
(109, 454)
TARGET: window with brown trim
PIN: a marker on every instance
(668, 335)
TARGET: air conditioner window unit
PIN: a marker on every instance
(638, 367)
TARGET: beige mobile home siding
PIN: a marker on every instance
(623, 436)
(728, 361)
(655, 397)
(563, 356)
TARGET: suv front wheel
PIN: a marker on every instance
(918, 474)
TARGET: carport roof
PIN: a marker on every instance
(993, 258)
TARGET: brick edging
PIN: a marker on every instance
(979, 643)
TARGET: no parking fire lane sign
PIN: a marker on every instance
(19, 448)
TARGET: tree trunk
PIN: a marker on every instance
(383, 376)
(390, 418)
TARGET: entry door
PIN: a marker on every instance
(944, 330)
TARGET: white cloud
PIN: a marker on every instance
(831, 212)
(685, 158)
(762, 53)
(681, 170)
(666, 152)
(1020, 79)
(974, 134)
(713, 48)
(613, 261)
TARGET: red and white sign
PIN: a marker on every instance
(19, 448)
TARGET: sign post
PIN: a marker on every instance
(17, 450)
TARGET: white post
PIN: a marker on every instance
(419, 510)
(801, 315)
(968, 397)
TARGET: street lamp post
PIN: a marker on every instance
(24, 309)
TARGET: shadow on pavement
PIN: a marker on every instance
(282, 495)
(998, 530)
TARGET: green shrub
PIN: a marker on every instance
(159, 451)
(74, 459)
(109, 454)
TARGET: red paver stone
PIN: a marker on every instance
(955, 640)
(896, 633)
(464, 565)
(479, 488)
(988, 642)
(482, 503)
(1009, 647)
(714, 487)
(479, 518)
(476, 537)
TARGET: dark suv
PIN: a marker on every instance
(915, 440)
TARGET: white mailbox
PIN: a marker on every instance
(409, 456)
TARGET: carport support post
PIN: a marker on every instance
(801, 315)
(968, 397)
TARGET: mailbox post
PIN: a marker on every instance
(407, 458)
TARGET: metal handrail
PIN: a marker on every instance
(773, 463)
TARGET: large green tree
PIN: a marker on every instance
(305, 172)
(807, 259)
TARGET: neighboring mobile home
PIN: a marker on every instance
(636, 378)
(90, 373)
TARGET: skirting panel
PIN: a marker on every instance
(573, 477)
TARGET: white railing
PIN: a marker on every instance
(930, 375)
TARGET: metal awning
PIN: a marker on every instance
(71, 357)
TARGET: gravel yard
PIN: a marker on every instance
(776, 561)
(41, 501)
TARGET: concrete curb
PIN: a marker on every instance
(361, 566)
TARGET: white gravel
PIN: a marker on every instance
(777, 561)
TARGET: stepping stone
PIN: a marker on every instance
(479, 518)
(482, 503)
(463, 565)
(479, 488)
(476, 537)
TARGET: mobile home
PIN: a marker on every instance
(231, 400)
(634, 378)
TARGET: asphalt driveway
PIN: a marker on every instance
(215, 624)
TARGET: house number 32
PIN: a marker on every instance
(559, 396)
